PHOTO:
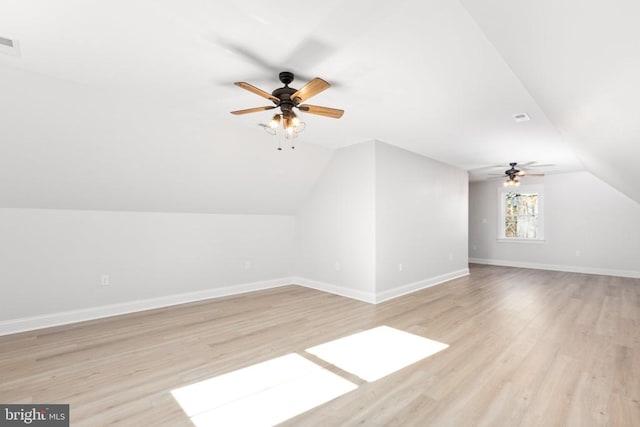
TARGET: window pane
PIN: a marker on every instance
(527, 227)
(521, 215)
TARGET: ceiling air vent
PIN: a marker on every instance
(9, 46)
(522, 117)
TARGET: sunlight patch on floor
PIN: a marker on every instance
(263, 394)
(377, 352)
(271, 392)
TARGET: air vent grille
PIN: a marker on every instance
(6, 42)
(9, 46)
(522, 117)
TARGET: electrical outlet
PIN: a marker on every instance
(400, 267)
(105, 280)
(450, 257)
(247, 265)
(578, 253)
(337, 266)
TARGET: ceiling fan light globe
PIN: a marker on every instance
(300, 127)
(275, 121)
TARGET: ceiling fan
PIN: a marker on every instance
(513, 174)
(287, 98)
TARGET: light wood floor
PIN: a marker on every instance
(527, 348)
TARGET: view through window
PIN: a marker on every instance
(521, 213)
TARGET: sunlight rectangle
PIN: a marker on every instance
(220, 390)
(377, 352)
(278, 404)
(263, 394)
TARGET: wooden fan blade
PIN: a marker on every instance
(533, 174)
(530, 165)
(484, 168)
(312, 88)
(322, 111)
(257, 91)
(252, 110)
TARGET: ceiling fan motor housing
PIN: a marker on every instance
(286, 77)
(284, 95)
(513, 172)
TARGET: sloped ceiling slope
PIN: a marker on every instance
(125, 105)
(68, 146)
(580, 60)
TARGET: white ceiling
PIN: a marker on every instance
(580, 60)
(125, 105)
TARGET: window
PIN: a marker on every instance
(521, 216)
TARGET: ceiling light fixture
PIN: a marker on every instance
(291, 125)
(512, 181)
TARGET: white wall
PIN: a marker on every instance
(51, 261)
(335, 227)
(377, 206)
(421, 220)
(589, 227)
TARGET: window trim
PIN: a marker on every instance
(529, 188)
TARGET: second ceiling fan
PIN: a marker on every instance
(513, 174)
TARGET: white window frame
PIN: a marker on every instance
(527, 189)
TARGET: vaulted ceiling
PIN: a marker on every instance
(125, 105)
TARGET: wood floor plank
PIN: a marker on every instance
(526, 348)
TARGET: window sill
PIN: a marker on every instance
(512, 240)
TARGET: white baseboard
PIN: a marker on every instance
(568, 268)
(335, 289)
(375, 298)
(73, 316)
(421, 284)
(63, 318)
